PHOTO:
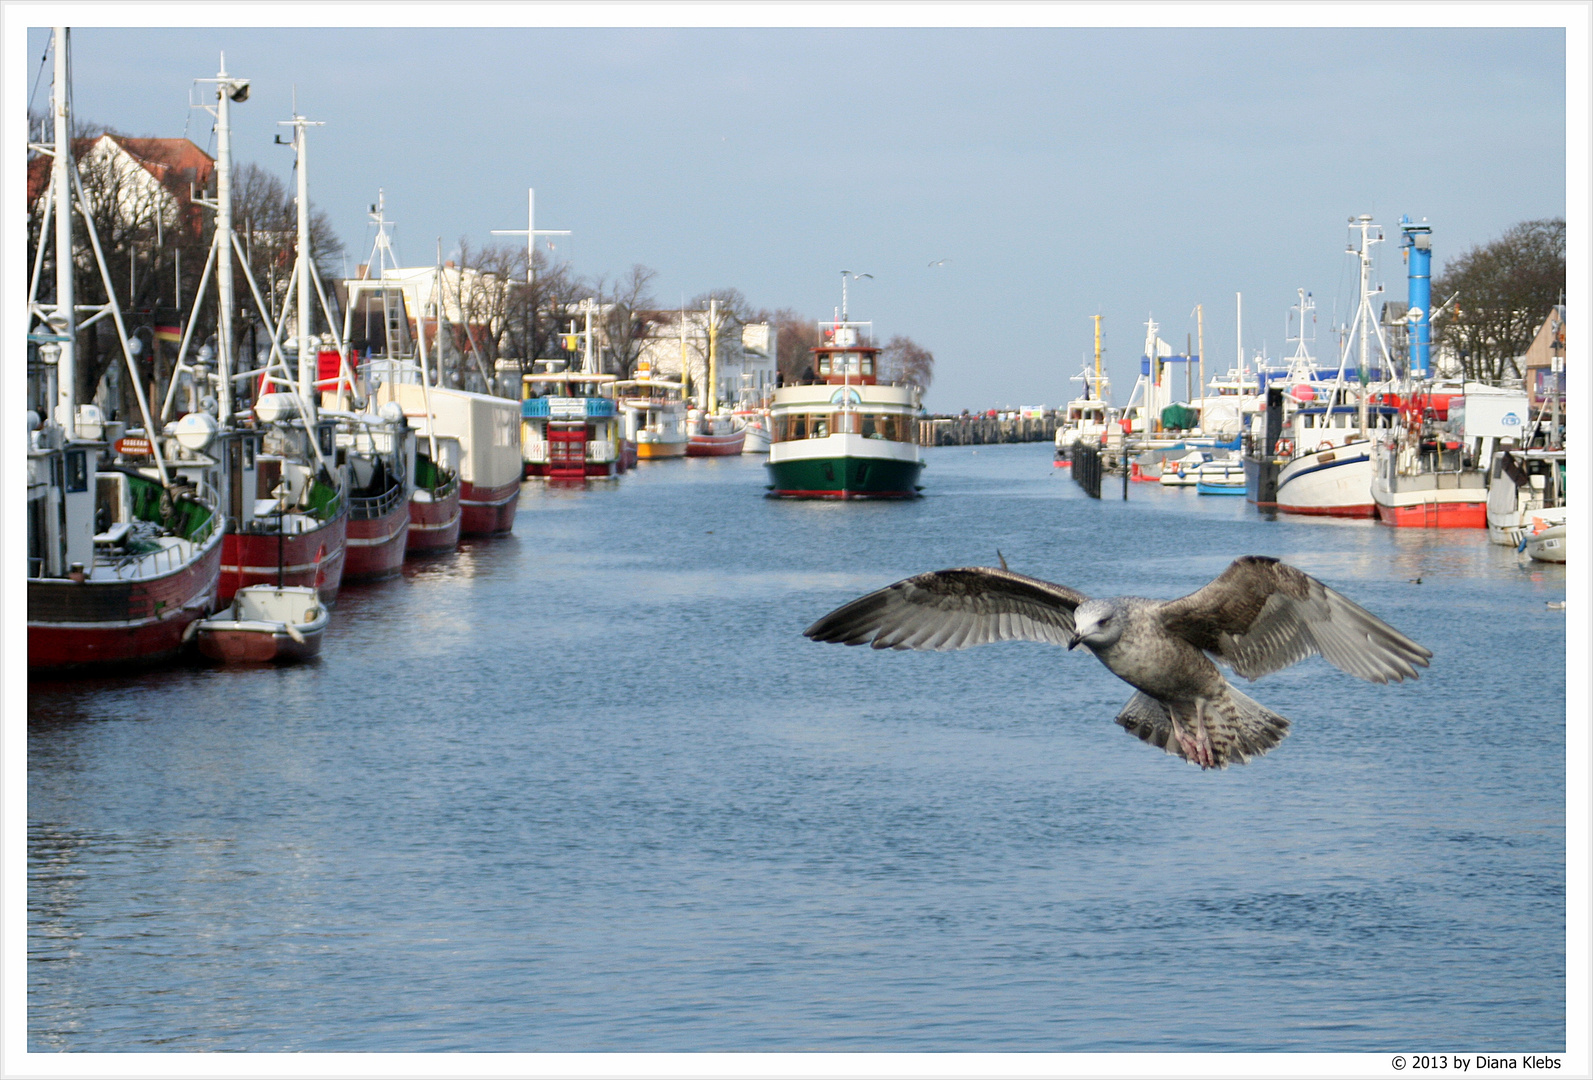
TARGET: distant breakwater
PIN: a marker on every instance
(968, 430)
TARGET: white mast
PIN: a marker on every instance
(308, 372)
(1152, 391)
(64, 321)
(224, 245)
(1363, 313)
(228, 90)
(530, 232)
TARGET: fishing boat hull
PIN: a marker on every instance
(1408, 495)
(378, 535)
(1261, 482)
(1329, 482)
(313, 558)
(490, 465)
(1433, 508)
(716, 445)
(487, 511)
(757, 435)
(844, 467)
(656, 449)
(79, 625)
(434, 521)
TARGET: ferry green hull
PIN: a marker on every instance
(845, 478)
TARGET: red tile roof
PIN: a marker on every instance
(167, 160)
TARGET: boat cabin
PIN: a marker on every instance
(1340, 423)
(569, 426)
(844, 359)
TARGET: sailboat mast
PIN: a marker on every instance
(1200, 343)
(65, 321)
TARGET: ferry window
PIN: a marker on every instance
(870, 426)
(868, 364)
(819, 427)
(824, 363)
(843, 422)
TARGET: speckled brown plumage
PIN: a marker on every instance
(1258, 616)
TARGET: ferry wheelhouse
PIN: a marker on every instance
(847, 436)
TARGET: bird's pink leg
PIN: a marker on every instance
(1208, 758)
(1197, 743)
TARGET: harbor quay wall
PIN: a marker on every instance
(979, 430)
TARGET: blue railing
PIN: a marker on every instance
(566, 408)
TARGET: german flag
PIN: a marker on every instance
(168, 333)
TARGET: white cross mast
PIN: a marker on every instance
(530, 232)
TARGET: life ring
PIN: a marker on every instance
(1324, 445)
(1285, 448)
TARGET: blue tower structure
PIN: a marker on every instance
(1417, 244)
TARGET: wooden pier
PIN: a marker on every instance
(980, 430)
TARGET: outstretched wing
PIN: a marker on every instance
(954, 609)
(1261, 615)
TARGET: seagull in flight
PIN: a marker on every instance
(1258, 616)
(940, 262)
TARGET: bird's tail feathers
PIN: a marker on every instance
(1239, 727)
(1256, 728)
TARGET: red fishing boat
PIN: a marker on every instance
(289, 508)
(434, 512)
(378, 534)
(137, 590)
(123, 555)
(488, 430)
(714, 436)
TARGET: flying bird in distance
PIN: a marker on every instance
(940, 262)
(1258, 616)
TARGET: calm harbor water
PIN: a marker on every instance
(588, 788)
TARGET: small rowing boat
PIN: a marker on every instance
(266, 624)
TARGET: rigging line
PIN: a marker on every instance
(39, 78)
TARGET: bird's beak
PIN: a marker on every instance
(1073, 640)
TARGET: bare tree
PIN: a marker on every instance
(903, 360)
(531, 323)
(264, 214)
(797, 336)
(131, 218)
(1505, 289)
(627, 316)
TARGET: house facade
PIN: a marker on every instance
(745, 354)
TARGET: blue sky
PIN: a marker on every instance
(1062, 172)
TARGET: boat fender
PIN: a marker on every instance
(293, 632)
(192, 629)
